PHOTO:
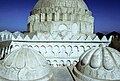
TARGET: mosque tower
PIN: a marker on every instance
(62, 17)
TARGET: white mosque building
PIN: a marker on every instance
(61, 35)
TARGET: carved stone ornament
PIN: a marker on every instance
(98, 64)
(25, 64)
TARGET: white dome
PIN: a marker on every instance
(99, 64)
(52, 6)
(60, 3)
(25, 64)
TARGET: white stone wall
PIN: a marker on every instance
(59, 50)
(57, 54)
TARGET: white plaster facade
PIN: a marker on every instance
(60, 30)
(55, 50)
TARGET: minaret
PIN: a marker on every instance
(61, 16)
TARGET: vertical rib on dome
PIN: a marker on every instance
(99, 64)
(25, 64)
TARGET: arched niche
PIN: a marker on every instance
(62, 27)
(56, 50)
(88, 27)
(49, 51)
(75, 28)
(62, 30)
(49, 62)
(63, 51)
(61, 63)
(68, 62)
(69, 50)
(43, 49)
(55, 63)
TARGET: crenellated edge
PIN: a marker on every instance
(18, 36)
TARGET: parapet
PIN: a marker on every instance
(18, 36)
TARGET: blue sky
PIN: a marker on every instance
(14, 14)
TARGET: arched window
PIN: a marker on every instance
(62, 27)
(62, 30)
(75, 28)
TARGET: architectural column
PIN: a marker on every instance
(73, 17)
(57, 16)
(65, 17)
(42, 17)
(49, 17)
(79, 26)
(83, 27)
(31, 27)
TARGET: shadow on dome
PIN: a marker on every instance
(25, 64)
(98, 64)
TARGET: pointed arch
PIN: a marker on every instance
(75, 28)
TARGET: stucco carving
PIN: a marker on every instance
(98, 64)
(69, 11)
(61, 31)
(25, 64)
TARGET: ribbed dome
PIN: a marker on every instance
(25, 64)
(99, 64)
(59, 5)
